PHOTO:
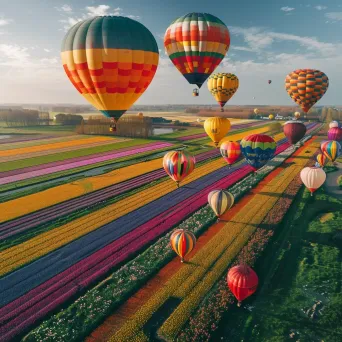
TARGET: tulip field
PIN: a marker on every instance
(85, 225)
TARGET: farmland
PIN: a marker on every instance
(85, 223)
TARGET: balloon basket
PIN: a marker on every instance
(182, 260)
(239, 304)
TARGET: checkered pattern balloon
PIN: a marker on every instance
(196, 44)
(306, 87)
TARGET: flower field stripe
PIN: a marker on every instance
(105, 264)
(77, 331)
(88, 161)
(52, 146)
(59, 150)
(40, 140)
(31, 164)
(131, 178)
(194, 279)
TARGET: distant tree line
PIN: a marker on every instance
(68, 119)
(20, 117)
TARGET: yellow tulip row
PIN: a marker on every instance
(195, 278)
(25, 205)
(56, 238)
(27, 150)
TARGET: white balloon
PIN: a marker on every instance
(313, 178)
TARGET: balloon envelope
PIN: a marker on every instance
(271, 116)
(196, 43)
(306, 87)
(294, 131)
(335, 133)
(313, 178)
(230, 151)
(182, 242)
(331, 149)
(256, 110)
(333, 124)
(258, 149)
(216, 128)
(178, 164)
(321, 160)
(220, 201)
(223, 86)
(297, 115)
(242, 281)
(111, 61)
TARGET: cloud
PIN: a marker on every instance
(65, 8)
(4, 21)
(258, 39)
(334, 15)
(287, 9)
(93, 11)
(47, 50)
(241, 48)
(320, 8)
(13, 55)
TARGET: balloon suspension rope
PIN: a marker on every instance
(182, 260)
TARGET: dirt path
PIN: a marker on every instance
(331, 185)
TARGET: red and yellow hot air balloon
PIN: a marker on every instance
(182, 242)
(178, 165)
(230, 151)
(321, 159)
(216, 128)
(294, 131)
(306, 87)
(313, 178)
(242, 281)
(196, 43)
(223, 86)
(111, 61)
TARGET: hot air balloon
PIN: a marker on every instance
(242, 281)
(178, 165)
(182, 242)
(230, 151)
(258, 149)
(333, 124)
(297, 115)
(306, 87)
(256, 111)
(223, 86)
(313, 178)
(321, 159)
(269, 81)
(331, 149)
(271, 116)
(196, 43)
(294, 131)
(220, 201)
(335, 133)
(141, 115)
(111, 61)
(198, 120)
(216, 128)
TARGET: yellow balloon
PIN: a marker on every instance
(216, 128)
(271, 116)
(256, 111)
(297, 115)
(223, 86)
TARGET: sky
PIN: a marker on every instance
(269, 39)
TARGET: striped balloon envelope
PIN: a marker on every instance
(333, 124)
(111, 61)
(294, 131)
(220, 201)
(223, 86)
(178, 165)
(331, 149)
(182, 242)
(306, 87)
(196, 43)
(335, 133)
(321, 160)
(230, 151)
(258, 149)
